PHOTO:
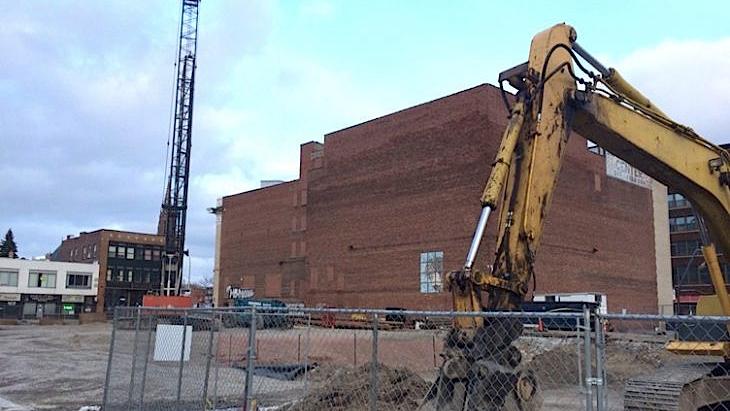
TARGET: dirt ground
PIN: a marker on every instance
(63, 367)
(53, 367)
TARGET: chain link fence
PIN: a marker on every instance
(344, 359)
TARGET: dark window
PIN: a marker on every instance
(676, 200)
(684, 248)
(148, 254)
(691, 274)
(685, 223)
(78, 280)
(156, 254)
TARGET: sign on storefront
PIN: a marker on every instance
(72, 298)
(68, 309)
(10, 297)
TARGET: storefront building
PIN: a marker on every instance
(35, 289)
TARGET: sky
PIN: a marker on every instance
(85, 90)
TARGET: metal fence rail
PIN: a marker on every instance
(354, 359)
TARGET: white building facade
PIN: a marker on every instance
(32, 288)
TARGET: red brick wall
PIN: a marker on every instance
(386, 190)
(257, 238)
(410, 182)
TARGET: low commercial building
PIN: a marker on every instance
(31, 288)
(382, 209)
(130, 263)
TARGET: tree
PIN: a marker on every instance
(8, 248)
(205, 282)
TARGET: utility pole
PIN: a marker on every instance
(174, 207)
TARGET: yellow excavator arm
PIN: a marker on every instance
(553, 99)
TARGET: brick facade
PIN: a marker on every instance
(94, 246)
(372, 198)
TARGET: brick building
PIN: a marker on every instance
(382, 208)
(129, 263)
(689, 273)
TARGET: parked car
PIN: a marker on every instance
(266, 314)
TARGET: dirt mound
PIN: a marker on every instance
(349, 389)
(558, 365)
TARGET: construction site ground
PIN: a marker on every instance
(62, 367)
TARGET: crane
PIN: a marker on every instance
(173, 213)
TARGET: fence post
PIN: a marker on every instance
(433, 346)
(212, 324)
(182, 358)
(600, 366)
(107, 380)
(134, 358)
(578, 335)
(249, 359)
(587, 357)
(306, 353)
(146, 361)
(374, 367)
(217, 362)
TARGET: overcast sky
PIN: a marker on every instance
(85, 90)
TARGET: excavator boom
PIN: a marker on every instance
(552, 101)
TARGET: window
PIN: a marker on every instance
(432, 267)
(94, 251)
(108, 274)
(156, 255)
(684, 248)
(8, 278)
(121, 252)
(78, 280)
(148, 254)
(686, 223)
(112, 251)
(120, 275)
(595, 148)
(129, 275)
(42, 279)
(676, 200)
(691, 274)
(138, 276)
(130, 253)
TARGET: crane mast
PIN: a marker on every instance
(174, 207)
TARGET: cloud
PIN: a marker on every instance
(84, 101)
(688, 80)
